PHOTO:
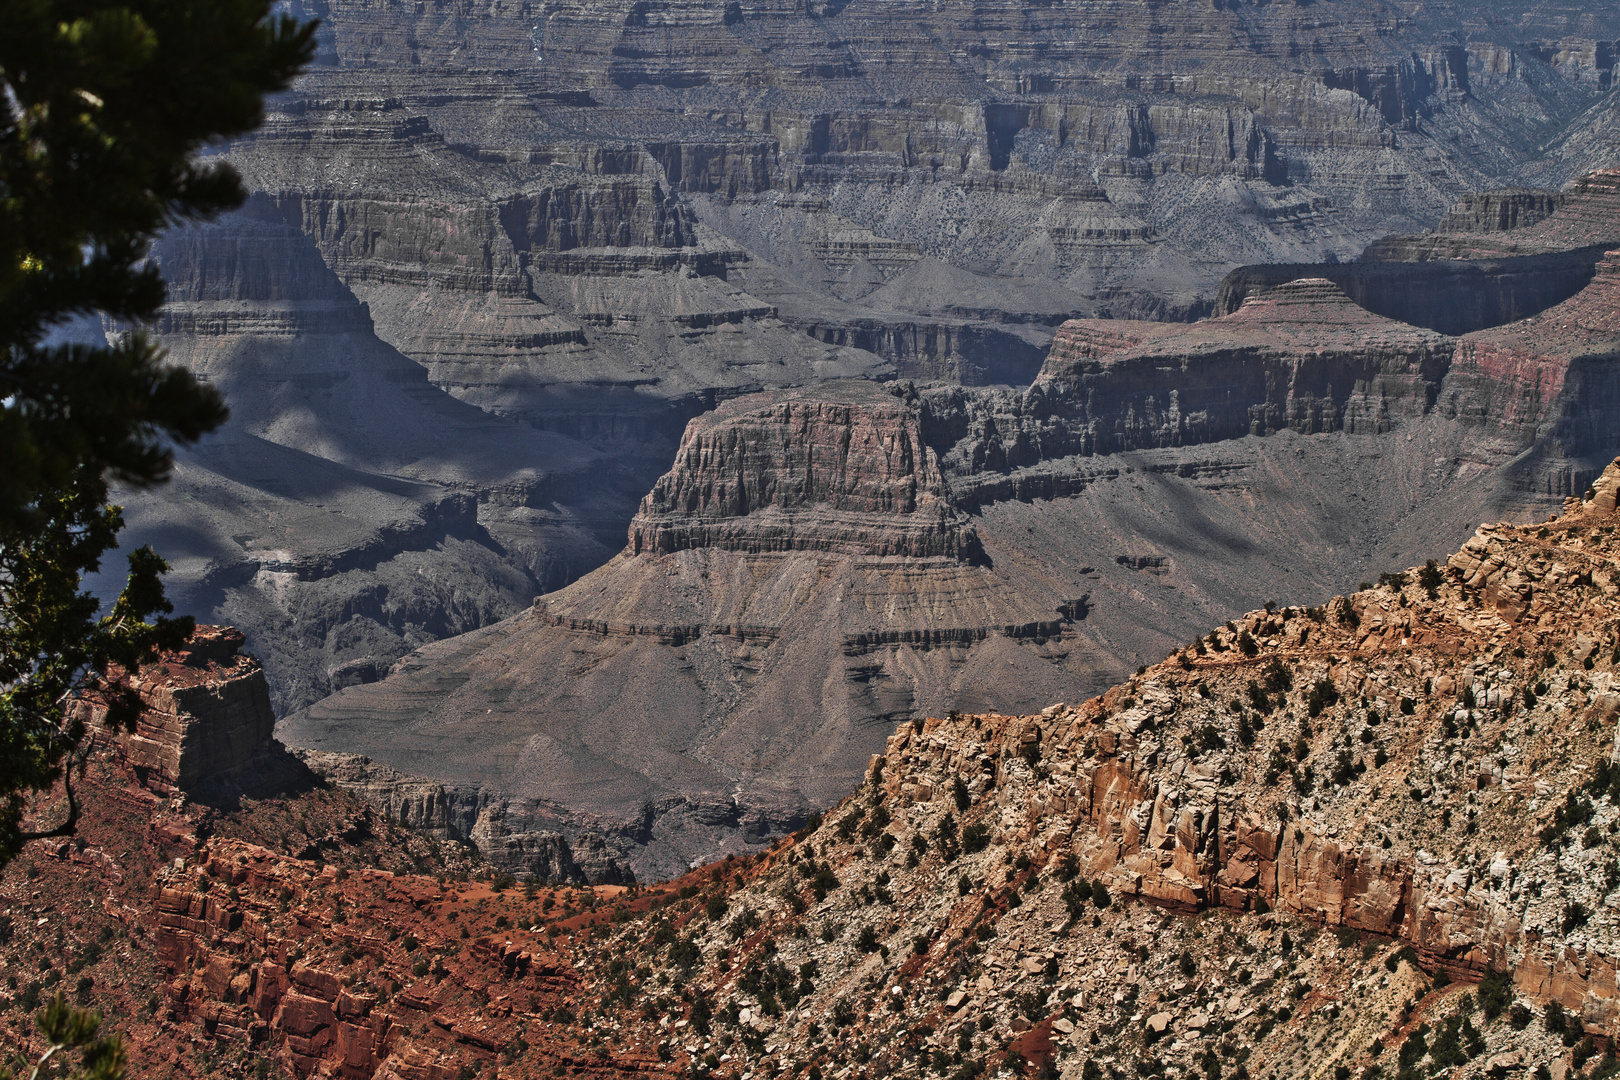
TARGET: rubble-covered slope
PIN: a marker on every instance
(1423, 768)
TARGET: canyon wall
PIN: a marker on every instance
(1496, 257)
(205, 727)
(1155, 792)
(1314, 839)
(804, 475)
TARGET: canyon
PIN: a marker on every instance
(498, 255)
(822, 562)
(504, 264)
(1313, 837)
(737, 548)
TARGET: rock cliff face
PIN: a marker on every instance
(425, 806)
(1497, 257)
(1299, 357)
(1551, 375)
(205, 727)
(805, 475)
(1517, 221)
(349, 510)
(597, 222)
(1453, 296)
(798, 573)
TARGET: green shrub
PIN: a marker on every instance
(1430, 578)
(1495, 994)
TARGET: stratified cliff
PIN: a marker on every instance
(1496, 257)
(205, 728)
(807, 474)
(597, 221)
(817, 563)
(1548, 381)
(349, 510)
(1300, 357)
(797, 575)
(1516, 221)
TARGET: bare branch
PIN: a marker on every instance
(68, 826)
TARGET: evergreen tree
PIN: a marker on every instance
(66, 1030)
(105, 110)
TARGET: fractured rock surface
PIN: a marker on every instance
(205, 727)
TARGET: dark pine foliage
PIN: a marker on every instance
(106, 105)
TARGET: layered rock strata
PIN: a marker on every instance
(1496, 257)
(205, 727)
(817, 562)
(601, 221)
(349, 510)
(1516, 221)
(804, 475)
(425, 806)
(1451, 296)
(1299, 357)
(1550, 377)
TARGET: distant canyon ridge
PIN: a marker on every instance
(821, 365)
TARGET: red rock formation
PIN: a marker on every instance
(1194, 831)
(206, 723)
(942, 896)
(1549, 377)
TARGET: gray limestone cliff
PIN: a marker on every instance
(498, 256)
(805, 475)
